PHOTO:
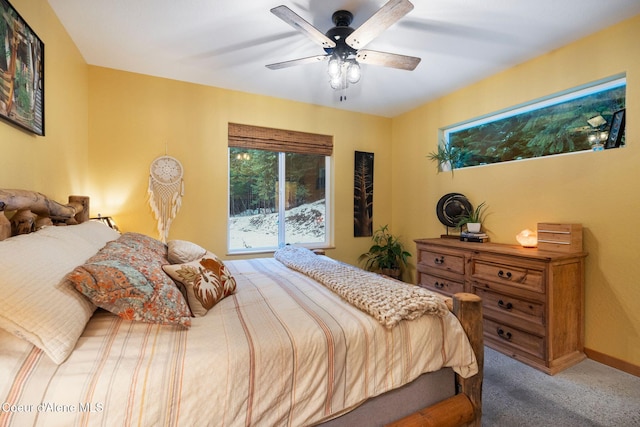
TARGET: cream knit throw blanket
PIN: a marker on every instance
(388, 301)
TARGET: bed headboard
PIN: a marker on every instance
(24, 211)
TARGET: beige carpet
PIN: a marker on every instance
(585, 395)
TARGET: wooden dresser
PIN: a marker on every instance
(532, 299)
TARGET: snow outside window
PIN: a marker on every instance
(277, 198)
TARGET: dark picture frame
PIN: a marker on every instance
(616, 130)
(21, 72)
(363, 194)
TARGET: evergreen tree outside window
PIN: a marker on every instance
(278, 190)
(562, 123)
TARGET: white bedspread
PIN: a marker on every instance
(282, 351)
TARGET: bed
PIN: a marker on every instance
(103, 328)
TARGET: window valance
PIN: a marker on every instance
(279, 140)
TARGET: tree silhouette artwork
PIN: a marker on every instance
(363, 195)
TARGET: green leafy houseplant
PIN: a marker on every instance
(386, 255)
(474, 216)
(447, 157)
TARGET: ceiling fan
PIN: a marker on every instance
(343, 44)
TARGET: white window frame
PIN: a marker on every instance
(328, 218)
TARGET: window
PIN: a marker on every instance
(562, 123)
(278, 188)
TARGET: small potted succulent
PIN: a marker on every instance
(473, 219)
(386, 255)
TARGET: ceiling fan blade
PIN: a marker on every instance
(293, 19)
(301, 61)
(386, 16)
(385, 59)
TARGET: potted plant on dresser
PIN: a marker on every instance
(387, 255)
(473, 219)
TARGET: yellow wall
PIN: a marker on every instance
(597, 189)
(135, 118)
(55, 164)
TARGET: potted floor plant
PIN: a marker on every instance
(473, 219)
(386, 255)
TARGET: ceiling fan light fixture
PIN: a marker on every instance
(353, 72)
(336, 82)
(342, 44)
(335, 67)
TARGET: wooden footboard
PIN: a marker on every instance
(465, 408)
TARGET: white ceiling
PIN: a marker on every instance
(227, 43)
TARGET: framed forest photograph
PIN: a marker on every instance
(363, 194)
(21, 72)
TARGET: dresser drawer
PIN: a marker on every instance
(513, 311)
(442, 261)
(513, 339)
(517, 276)
(438, 284)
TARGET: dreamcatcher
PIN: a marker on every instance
(166, 189)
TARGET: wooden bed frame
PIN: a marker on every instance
(464, 408)
(26, 211)
(33, 210)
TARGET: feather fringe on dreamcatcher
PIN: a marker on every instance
(166, 188)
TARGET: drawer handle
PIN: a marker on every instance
(439, 285)
(504, 335)
(503, 275)
(507, 306)
(439, 261)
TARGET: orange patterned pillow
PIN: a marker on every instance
(207, 280)
(126, 278)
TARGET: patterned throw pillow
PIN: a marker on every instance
(143, 242)
(207, 281)
(126, 278)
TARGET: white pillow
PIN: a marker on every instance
(36, 304)
(181, 251)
